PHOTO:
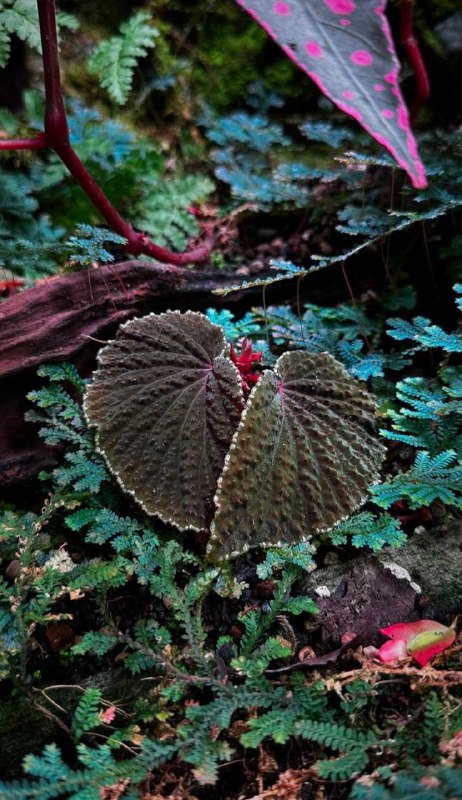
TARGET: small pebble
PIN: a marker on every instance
(402, 574)
(399, 572)
(13, 569)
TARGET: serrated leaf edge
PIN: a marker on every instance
(102, 452)
(323, 529)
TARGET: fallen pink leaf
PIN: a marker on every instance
(423, 640)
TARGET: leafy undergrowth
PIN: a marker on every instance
(92, 585)
(161, 675)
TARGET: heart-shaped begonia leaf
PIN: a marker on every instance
(346, 48)
(166, 402)
(301, 460)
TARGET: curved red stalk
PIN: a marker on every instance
(56, 137)
(414, 55)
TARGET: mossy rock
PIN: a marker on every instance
(430, 557)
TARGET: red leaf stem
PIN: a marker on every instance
(34, 143)
(414, 55)
(56, 137)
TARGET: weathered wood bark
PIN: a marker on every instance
(57, 318)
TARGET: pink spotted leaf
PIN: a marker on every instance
(346, 48)
(423, 640)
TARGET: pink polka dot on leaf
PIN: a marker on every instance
(345, 22)
(313, 49)
(388, 113)
(341, 6)
(281, 8)
(403, 120)
(379, 87)
(391, 77)
(362, 58)
(348, 95)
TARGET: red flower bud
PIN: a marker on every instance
(245, 362)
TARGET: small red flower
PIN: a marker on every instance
(245, 362)
(10, 287)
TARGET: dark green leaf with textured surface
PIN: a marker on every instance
(302, 458)
(166, 403)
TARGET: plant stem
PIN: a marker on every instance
(414, 55)
(24, 144)
(56, 137)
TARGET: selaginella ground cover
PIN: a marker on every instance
(230, 531)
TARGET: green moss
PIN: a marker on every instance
(227, 61)
(226, 51)
(286, 79)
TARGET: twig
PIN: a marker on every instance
(434, 677)
(56, 137)
(53, 717)
(164, 663)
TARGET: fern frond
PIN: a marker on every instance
(333, 135)
(437, 783)
(277, 725)
(431, 478)
(430, 416)
(86, 246)
(337, 737)
(276, 558)
(4, 46)
(165, 211)
(367, 530)
(21, 18)
(94, 642)
(345, 767)
(52, 779)
(425, 334)
(114, 60)
(86, 715)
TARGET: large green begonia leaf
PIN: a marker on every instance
(166, 402)
(301, 460)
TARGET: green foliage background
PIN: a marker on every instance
(216, 114)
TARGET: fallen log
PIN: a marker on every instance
(59, 316)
